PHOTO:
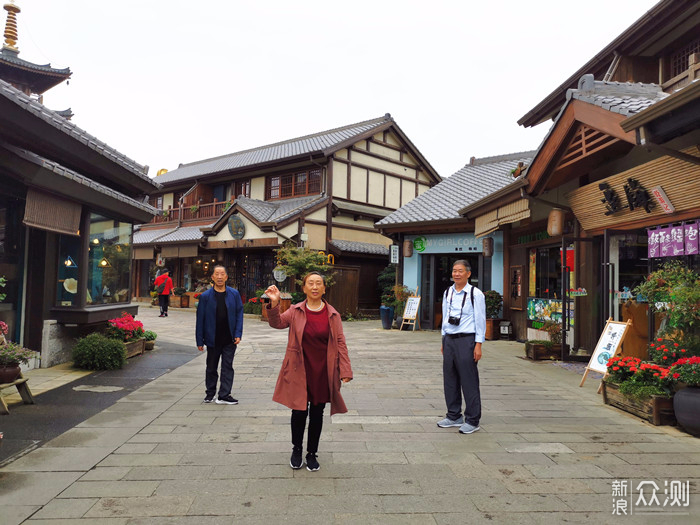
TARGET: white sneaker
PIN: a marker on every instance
(468, 429)
(447, 422)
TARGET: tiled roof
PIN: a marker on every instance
(624, 98)
(276, 211)
(360, 247)
(318, 142)
(80, 179)
(473, 182)
(9, 56)
(163, 235)
(66, 126)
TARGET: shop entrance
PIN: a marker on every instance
(436, 277)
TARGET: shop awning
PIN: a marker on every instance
(490, 222)
(46, 212)
(189, 250)
(143, 253)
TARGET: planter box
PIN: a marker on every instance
(537, 352)
(180, 301)
(656, 410)
(493, 329)
(135, 347)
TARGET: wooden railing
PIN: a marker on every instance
(212, 210)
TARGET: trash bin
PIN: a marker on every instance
(386, 314)
(506, 329)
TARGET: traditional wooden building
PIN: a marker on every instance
(434, 234)
(324, 191)
(619, 166)
(67, 205)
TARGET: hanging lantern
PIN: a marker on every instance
(407, 248)
(555, 222)
(487, 246)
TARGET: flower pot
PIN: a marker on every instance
(135, 347)
(386, 314)
(656, 410)
(537, 351)
(686, 405)
(8, 373)
(179, 301)
(149, 345)
(492, 329)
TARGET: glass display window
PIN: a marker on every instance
(109, 260)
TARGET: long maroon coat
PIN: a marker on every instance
(290, 390)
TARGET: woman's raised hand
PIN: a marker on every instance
(273, 294)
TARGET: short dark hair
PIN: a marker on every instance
(303, 281)
(463, 263)
(219, 266)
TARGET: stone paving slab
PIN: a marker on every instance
(548, 450)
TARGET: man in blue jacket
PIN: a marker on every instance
(219, 328)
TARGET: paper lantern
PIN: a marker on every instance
(487, 246)
(555, 222)
(407, 248)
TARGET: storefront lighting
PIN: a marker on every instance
(95, 241)
(70, 263)
(104, 263)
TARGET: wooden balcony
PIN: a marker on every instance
(198, 212)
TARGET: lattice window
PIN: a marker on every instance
(679, 59)
(298, 184)
(240, 187)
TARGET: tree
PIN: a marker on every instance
(297, 262)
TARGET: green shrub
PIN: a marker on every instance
(150, 335)
(253, 306)
(98, 352)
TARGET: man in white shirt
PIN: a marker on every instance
(463, 330)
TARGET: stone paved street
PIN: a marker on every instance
(548, 451)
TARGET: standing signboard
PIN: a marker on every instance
(609, 345)
(410, 312)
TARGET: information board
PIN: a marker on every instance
(608, 346)
(411, 310)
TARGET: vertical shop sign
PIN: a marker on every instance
(654, 248)
(677, 244)
(533, 272)
(691, 238)
(665, 242)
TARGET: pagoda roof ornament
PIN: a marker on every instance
(11, 26)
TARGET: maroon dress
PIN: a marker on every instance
(314, 343)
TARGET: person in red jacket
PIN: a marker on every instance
(315, 364)
(164, 291)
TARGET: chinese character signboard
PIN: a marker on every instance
(690, 232)
(648, 497)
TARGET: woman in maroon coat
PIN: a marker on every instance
(314, 365)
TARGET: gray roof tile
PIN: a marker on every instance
(276, 211)
(80, 179)
(272, 152)
(360, 247)
(625, 98)
(470, 184)
(66, 126)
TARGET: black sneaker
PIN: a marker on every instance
(228, 400)
(208, 399)
(295, 461)
(312, 463)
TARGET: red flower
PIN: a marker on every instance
(676, 375)
(676, 344)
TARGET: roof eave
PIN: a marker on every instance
(674, 101)
(518, 183)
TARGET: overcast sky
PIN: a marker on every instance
(172, 81)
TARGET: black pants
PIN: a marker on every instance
(225, 354)
(315, 413)
(163, 301)
(461, 376)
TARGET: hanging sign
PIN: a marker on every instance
(660, 196)
(394, 254)
(690, 234)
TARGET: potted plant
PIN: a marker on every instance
(12, 356)
(494, 301)
(180, 299)
(99, 352)
(642, 389)
(194, 209)
(685, 372)
(3, 332)
(150, 337)
(129, 331)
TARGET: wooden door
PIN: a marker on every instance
(344, 293)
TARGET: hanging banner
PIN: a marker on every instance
(691, 237)
(654, 248)
(677, 244)
(665, 242)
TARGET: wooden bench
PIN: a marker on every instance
(22, 388)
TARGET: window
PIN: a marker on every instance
(240, 187)
(156, 202)
(109, 260)
(298, 184)
(679, 59)
(68, 260)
